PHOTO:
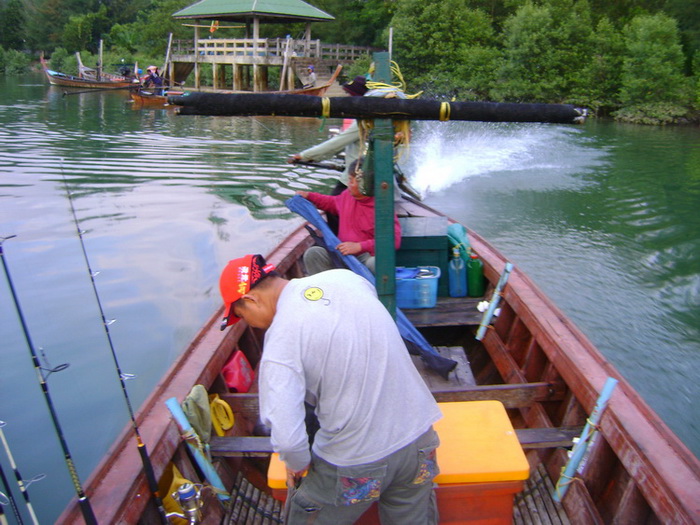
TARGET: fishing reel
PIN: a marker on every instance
(188, 496)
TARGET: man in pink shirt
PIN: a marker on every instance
(356, 225)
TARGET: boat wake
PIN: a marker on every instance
(483, 149)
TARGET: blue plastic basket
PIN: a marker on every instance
(417, 287)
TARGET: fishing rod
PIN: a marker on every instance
(23, 485)
(83, 500)
(324, 165)
(8, 499)
(3, 519)
(143, 451)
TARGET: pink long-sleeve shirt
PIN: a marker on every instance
(356, 218)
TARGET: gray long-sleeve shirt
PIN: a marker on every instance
(334, 344)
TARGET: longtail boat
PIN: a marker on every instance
(317, 91)
(105, 80)
(527, 382)
(146, 98)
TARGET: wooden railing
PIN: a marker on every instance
(269, 47)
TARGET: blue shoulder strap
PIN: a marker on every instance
(430, 356)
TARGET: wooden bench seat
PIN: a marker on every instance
(529, 438)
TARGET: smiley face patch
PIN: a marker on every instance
(314, 293)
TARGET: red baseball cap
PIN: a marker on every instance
(239, 276)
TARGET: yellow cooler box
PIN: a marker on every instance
(482, 465)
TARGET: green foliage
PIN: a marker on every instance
(652, 70)
(153, 25)
(460, 49)
(13, 62)
(46, 20)
(83, 31)
(600, 74)
(123, 37)
(12, 20)
(357, 22)
(545, 45)
(64, 62)
(658, 113)
(360, 67)
(696, 68)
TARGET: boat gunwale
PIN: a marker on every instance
(117, 489)
(656, 458)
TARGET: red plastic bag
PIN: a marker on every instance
(238, 373)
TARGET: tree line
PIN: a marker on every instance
(637, 60)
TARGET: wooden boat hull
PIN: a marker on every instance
(317, 91)
(146, 99)
(61, 79)
(532, 359)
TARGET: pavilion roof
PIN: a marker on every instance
(246, 10)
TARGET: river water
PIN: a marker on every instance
(603, 217)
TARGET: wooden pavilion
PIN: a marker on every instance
(250, 58)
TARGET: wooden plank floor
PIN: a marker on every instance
(535, 505)
(449, 311)
(458, 379)
(250, 506)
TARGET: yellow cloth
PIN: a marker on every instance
(169, 483)
(221, 414)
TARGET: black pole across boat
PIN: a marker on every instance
(83, 501)
(251, 104)
(134, 86)
(143, 451)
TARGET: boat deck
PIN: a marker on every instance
(449, 311)
(251, 506)
(533, 506)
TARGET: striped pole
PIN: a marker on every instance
(23, 486)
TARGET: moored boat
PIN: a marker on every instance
(102, 81)
(318, 91)
(147, 98)
(144, 98)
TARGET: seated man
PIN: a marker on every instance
(153, 79)
(310, 77)
(355, 213)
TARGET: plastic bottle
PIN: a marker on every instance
(457, 273)
(475, 276)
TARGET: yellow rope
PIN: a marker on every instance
(445, 111)
(399, 84)
(325, 107)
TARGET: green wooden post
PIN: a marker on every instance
(384, 197)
